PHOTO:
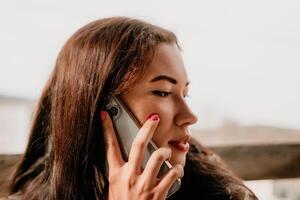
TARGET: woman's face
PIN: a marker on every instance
(163, 90)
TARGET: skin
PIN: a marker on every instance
(165, 117)
(148, 97)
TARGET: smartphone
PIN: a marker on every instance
(126, 127)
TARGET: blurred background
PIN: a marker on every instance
(242, 59)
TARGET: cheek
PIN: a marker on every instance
(143, 107)
(165, 111)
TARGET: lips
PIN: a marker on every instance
(181, 146)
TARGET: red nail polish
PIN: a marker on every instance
(103, 115)
(154, 117)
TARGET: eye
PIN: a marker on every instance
(161, 93)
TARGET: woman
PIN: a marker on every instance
(72, 135)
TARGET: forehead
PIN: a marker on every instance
(167, 61)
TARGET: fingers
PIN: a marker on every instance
(113, 153)
(169, 179)
(141, 141)
(155, 162)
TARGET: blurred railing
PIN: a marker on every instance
(256, 162)
(250, 162)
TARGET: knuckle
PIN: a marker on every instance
(131, 182)
(181, 172)
(109, 126)
(112, 177)
(145, 186)
(176, 172)
(108, 129)
(139, 144)
(162, 154)
(111, 145)
(160, 157)
(148, 126)
(168, 152)
(173, 173)
(146, 129)
(127, 179)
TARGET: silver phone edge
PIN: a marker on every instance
(177, 184)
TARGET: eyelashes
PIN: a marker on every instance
(161, 93)
(165, 94)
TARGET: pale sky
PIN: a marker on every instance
(242, 57)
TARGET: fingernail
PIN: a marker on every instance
(153, 117)
(103, 115)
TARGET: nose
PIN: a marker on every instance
(185, 116)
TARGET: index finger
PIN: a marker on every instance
(140, 142)
(112, 148)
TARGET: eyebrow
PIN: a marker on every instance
(166, 78)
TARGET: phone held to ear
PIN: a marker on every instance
(126, 127)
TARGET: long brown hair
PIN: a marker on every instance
(64, 158)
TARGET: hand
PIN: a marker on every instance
(127, 180)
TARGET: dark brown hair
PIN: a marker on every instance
(64, 158)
